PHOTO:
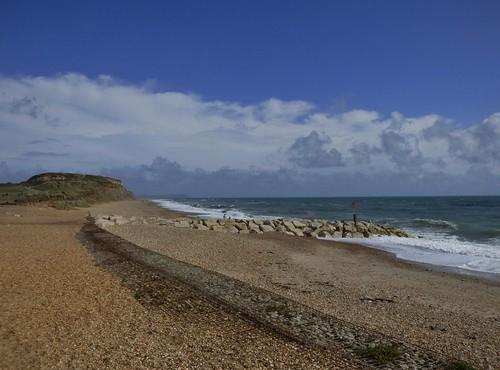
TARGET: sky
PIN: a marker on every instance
(261, 98)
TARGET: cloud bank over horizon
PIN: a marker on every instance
(173, 142)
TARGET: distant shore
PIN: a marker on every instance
(427, 305)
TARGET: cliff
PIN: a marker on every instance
(64, 190)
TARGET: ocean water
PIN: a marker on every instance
(460, 232)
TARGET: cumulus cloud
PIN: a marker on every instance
(310, 152)
(74, 123)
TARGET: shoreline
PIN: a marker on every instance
(426, 266)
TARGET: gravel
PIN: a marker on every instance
(60, 310)
(454, 315)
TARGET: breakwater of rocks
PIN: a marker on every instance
(300, 228)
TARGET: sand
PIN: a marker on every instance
(59, 309)
(456, 315)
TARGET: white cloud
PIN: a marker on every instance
(89, 124)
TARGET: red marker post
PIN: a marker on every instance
(354, 218)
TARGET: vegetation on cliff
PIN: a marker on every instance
(63, 190)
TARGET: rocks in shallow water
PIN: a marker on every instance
(300, 228)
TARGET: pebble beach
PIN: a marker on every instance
(75, 312)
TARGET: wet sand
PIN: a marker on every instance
(59, 309)
(456, 315)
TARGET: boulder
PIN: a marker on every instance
(200, 227)
(266, 228)
(182, 223)
(231, 229)
(210, 223)
(218, 228)
(324, 234)
(103, 223)
(337, 234)
(241, 226)
(298, 224)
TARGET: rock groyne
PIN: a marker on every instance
(293, 227)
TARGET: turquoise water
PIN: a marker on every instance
(460, 232)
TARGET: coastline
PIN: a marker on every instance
(429, 307)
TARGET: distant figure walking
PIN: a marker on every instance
(354, 217)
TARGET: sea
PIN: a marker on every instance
(462, 233)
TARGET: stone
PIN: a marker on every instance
(299, 232)
(315, 224)
(324, 234)
(298, 224)
(200, 227)
(231, 229)
(210, 223)
(102, 223)
(218, 228)
(246, 231)
(288, 225)
(266, 228)
(337, 234)
(280, 229)
(349, 226)
(254, 228)
(357, 235)
(241, 226)
(182, 223)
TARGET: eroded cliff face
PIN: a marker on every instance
(64, 187)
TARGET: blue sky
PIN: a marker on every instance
(296, 92)
(417, 57)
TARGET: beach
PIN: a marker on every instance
(451, 313)
(61, 309)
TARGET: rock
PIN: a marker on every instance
(298, 224)
(315, 225)
(210, 223)
(299, 232)
(346, 234)
(324, 234)
(241, 226)
(218, 228)
(200, 227)
(103, 223)
(244, 231)
(280, 229)
(254, 228)
(289, 225)
(231, 229)
(349, 226)
(182, 223)
(337, 234)
(119, 220)
(357, 235)
(266, 228)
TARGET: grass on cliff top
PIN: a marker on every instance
(381, 354)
